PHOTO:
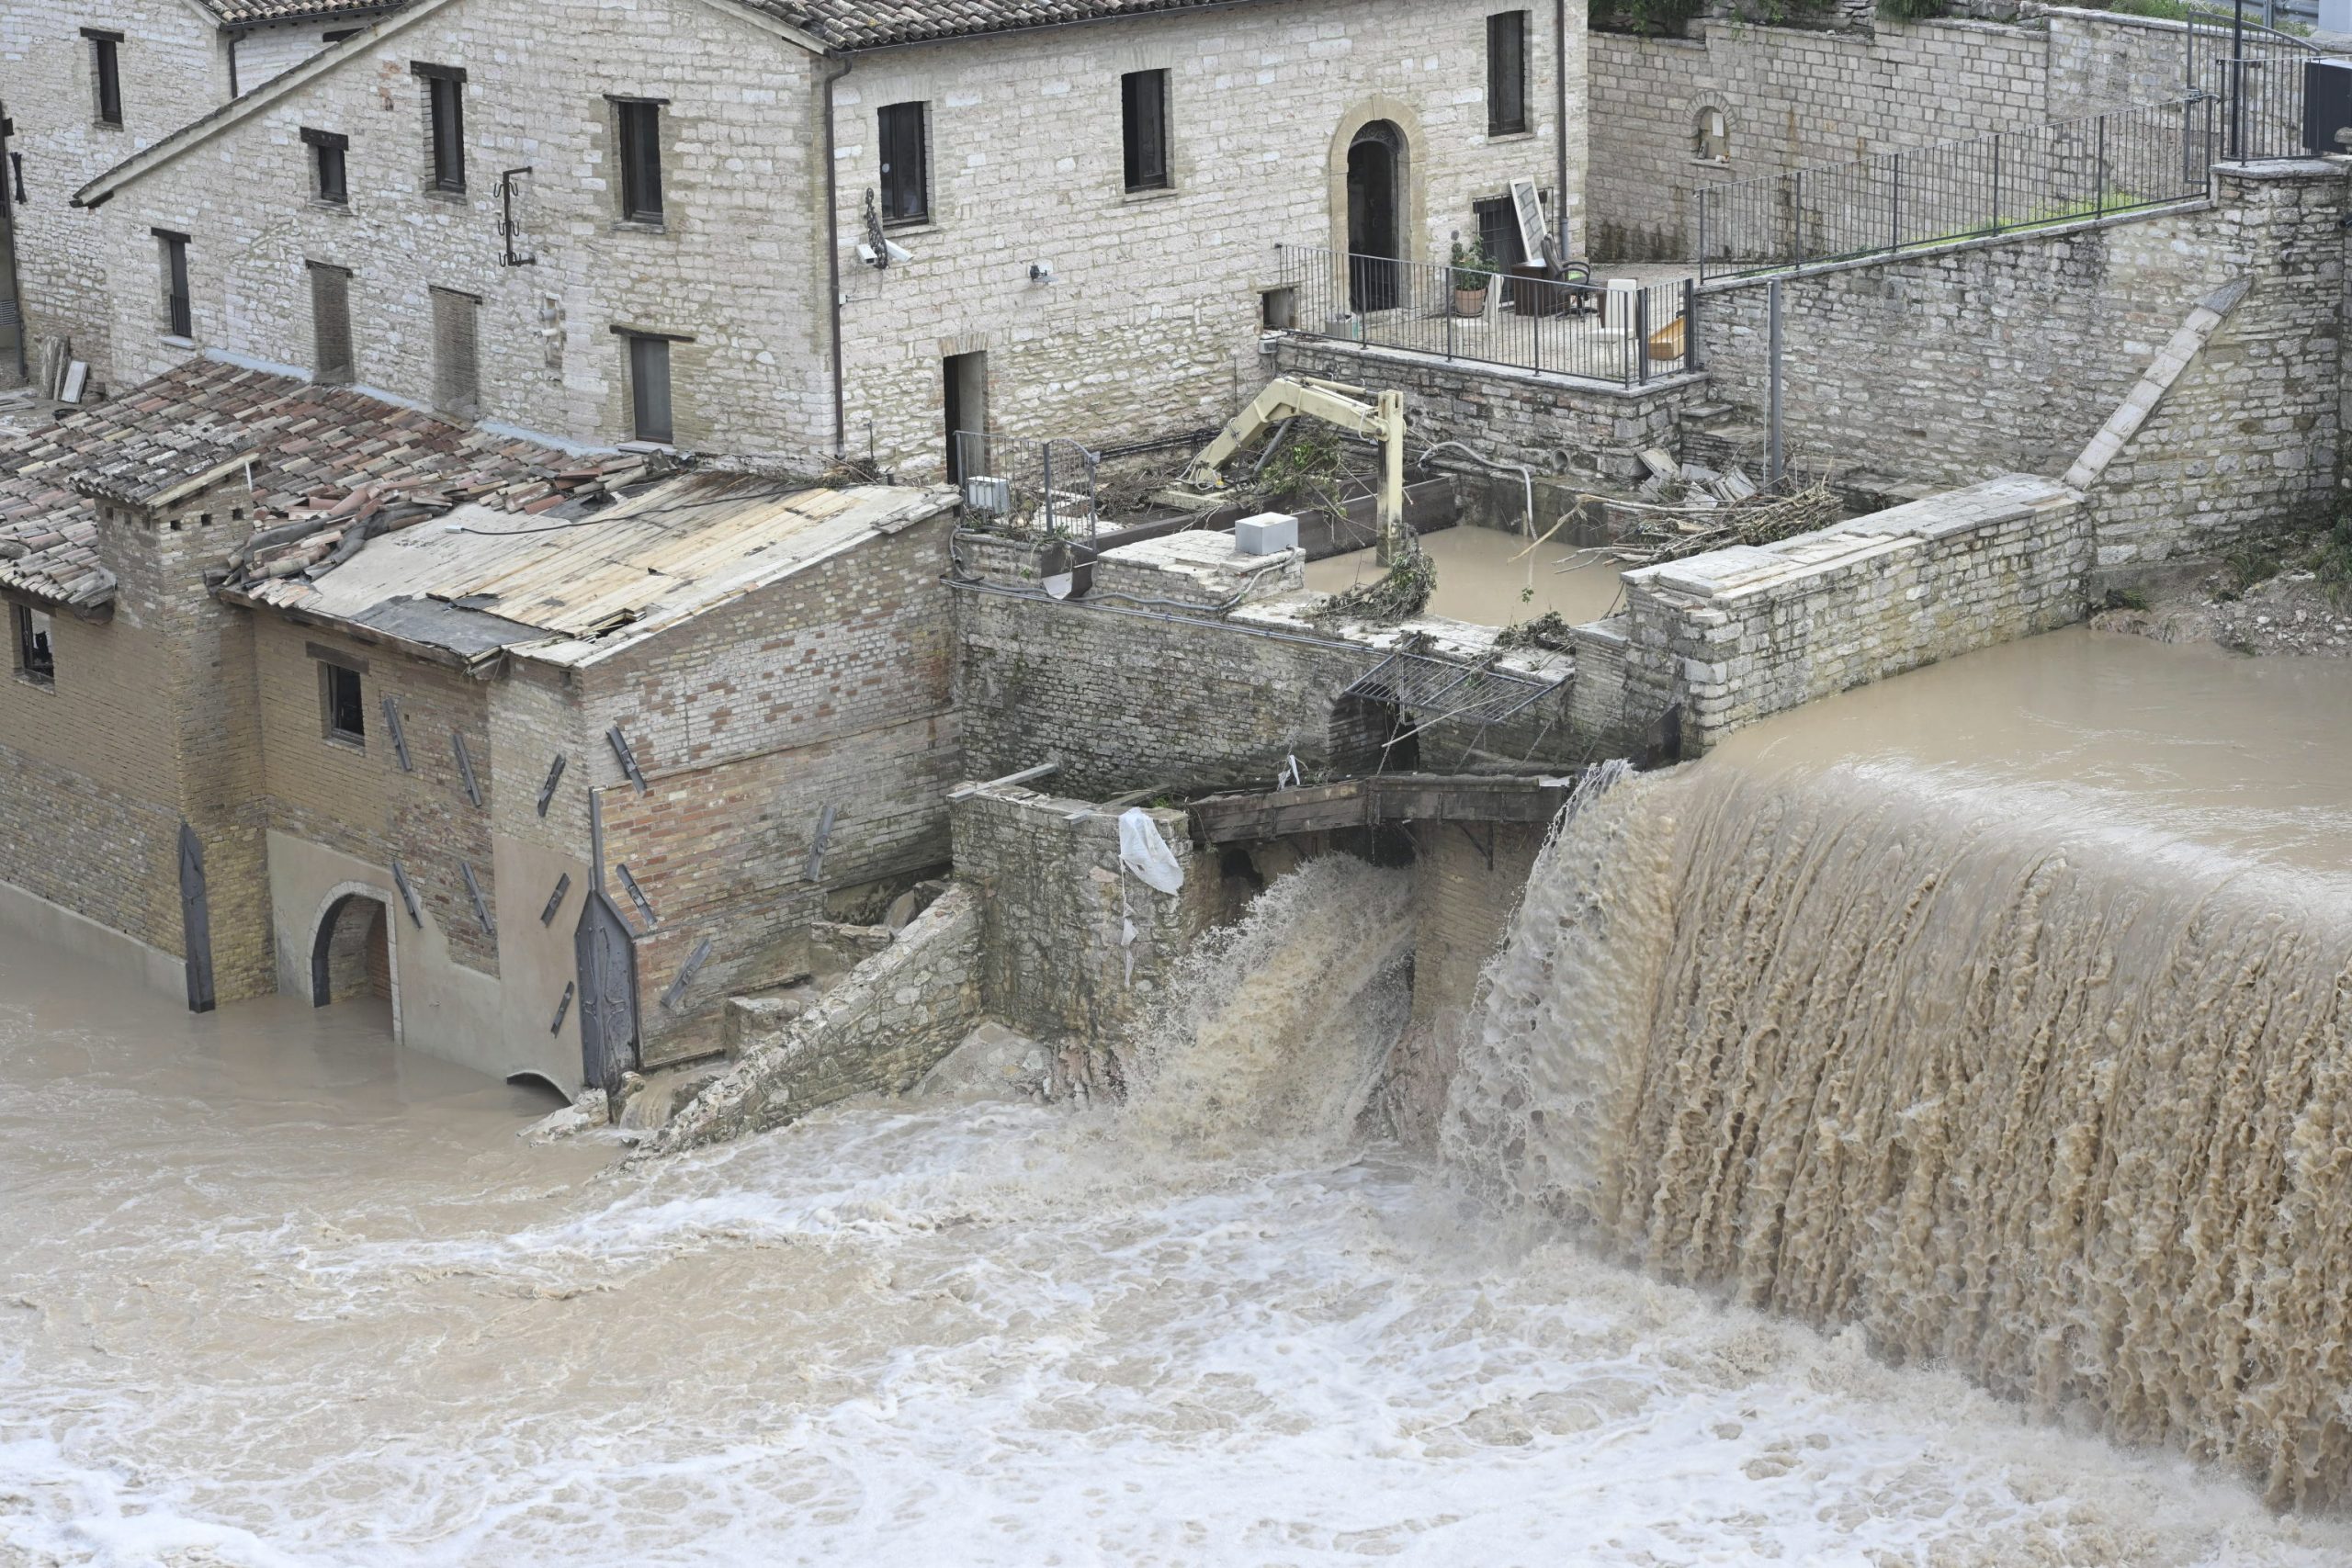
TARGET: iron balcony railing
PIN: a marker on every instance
(2122, 161)
(1625, 334)
(1044, 486)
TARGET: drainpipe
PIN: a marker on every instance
(833, 260)
(1560, 120)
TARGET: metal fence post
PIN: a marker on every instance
(2098, 173)
(1895, 207)
(1995, 226)
(1689, 323)
(1702, 231)
(1046, 453)
(1641, 336)
(1796, 216)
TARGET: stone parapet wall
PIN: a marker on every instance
(1736, 635)
(892, 1020)
(1553, 423)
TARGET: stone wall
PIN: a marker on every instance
(1736, 635)
(174, 68)
(1794, 97)
(890, 1020)
(1998, 355)
(1552, 424)
(1054, 961)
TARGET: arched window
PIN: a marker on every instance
(1711, 137)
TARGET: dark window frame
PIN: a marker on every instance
(180, 305)
(330, 169)
(906, 197)
(445, 125)
(1506, 92)
(1144, 130)
(105, 65)
(341, 696)
(636, 143)
(36, 646)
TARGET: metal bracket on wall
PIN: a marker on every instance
(508, 223)
(824, 836)
(466, 767)
(628, 757)
(563, 1008)
(481, 909)
(400, 736)
(546, 790)
(555, 899)
(408, 895)
(636, 895)
(677, 991)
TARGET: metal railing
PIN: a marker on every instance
(2122, 161)
(1044, 486)
(1625, 335)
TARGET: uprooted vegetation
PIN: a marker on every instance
(2284, 592)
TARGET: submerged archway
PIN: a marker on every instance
(352, 948)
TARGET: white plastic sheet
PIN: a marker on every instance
(1143, 852)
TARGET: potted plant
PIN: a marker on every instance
(1474, 274)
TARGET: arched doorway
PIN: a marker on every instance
(1376, 174)
(351, 950)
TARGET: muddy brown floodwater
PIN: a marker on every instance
(274, 1292)
(1483, 576)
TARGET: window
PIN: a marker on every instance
(456, 353)
(1710, 138)
(640, 121)
(1278, 310)
(106, 74)
(906, 164)
(179, 319)
(445, 124)
(648, 388)
(327, 183)
(34, 661)
(1144, 99)
(341, 708)
(1506, 74)
(330, 324)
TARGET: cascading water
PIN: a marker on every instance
(2006, 1082)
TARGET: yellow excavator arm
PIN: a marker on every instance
(1379, 415)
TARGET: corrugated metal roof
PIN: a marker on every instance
(590, 587)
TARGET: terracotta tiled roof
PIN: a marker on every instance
(329, 453)
(869, 24)
(252, 13)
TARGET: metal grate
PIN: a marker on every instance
(1438, 690)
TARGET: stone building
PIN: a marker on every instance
(668, 221)
(370, 730)
(84, 85)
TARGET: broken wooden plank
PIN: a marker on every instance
(963, 792)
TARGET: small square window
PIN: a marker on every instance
(344, 710)
(641, 149)
(35, 660)
(327, 179)
(906, 163)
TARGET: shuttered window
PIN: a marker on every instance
(330, 324)
(1506, 74)
(106, 74)
(179, 316)
(648, 388)
(327, 182)
(457, 354)
(906, 164)
(640, 121)
(1144, 105)
(445, 124)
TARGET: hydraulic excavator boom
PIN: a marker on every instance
(1380, 415)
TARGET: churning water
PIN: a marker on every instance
(272, 1293)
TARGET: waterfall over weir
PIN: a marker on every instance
(2003, 1080)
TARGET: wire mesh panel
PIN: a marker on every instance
(1047, 487)
(2116, 162)
(1595, 332)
